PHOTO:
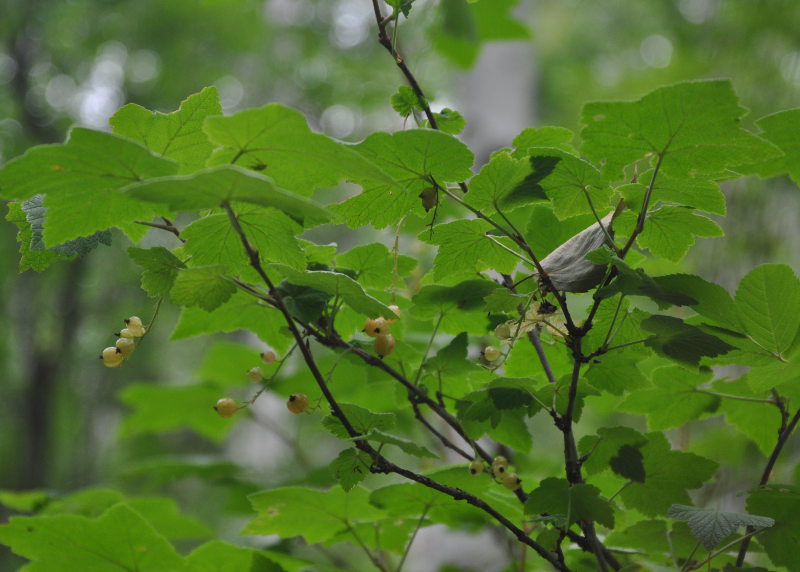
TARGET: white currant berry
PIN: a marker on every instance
(383, 345)
(502, 331)
(135, 326)
(125, 333)
(255, 374)
(268, 356)
(476, 467)
(491, 353)
(511, 481)
(375, 327)
(429, 198)
(499, 466)
(297, 403)
(226, 407)
(126, 346)
(111, 356)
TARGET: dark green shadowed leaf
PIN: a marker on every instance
(211, 188)
(692, 126)
(218, 556)
(782, 503)
(177, 135)
(680, 341)
(711, 526)
(496, 180)
(574, 503)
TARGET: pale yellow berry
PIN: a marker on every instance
(476, 467)
(297, 403)
(125, 333)
(226, 407)
(126, 346)
(511, 481)
(499, 466)
(268, 356)
(111, 356)
(374, 327)
(255, 374)
(135, 326)
(491, 353)
(502, 331)
(383, 345)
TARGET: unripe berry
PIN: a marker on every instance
(383, 345)
(499, 466)
(511, 481)
(297, 402)
(226, 407)
(491, 353)
(502, 331)
(126, 346)
(476, 467)
(396, 310)
(374, 327)
(255, 374)
(135, 326)
(268, 356)
(111, 356)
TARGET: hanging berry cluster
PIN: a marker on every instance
(378, 328)
(113, 356)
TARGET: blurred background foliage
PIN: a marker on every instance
(72, 62)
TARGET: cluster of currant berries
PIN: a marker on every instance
(499, 470)
(227, 407)
(378, 328)
(113, 356)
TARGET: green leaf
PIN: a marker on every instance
(277, 141)
(654, 537)
(758, 421)
(337, 284)
(673, 399)
(303, 302)
(701, 194)
(544, 232)
(553, 137)
(36, 215)
(465, 248)
(36, 260)
(498, 178)
(628, 463)
(212, 240)
(449, 121)
(163, 409)
(404, 101)
(240, 312)
(204, 286)
(81, 179)
(74, 543)
(374, 264)
(679, 341)
(570, 182)
(709, 300)
(404, 445)
(211, 188)
(178, 135)
(782, 503)
(692, 127)
(576, 502)
(312, 514)
(668, 474)
(635, 282)
(768, 302)
(780, 129)
(413, 159)
(24, 501)
(604, 373)
(350, 467)
(362, 420)
(218, 556)
(462, 305)
(670, 231)
(160, 268)
(711, 527)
